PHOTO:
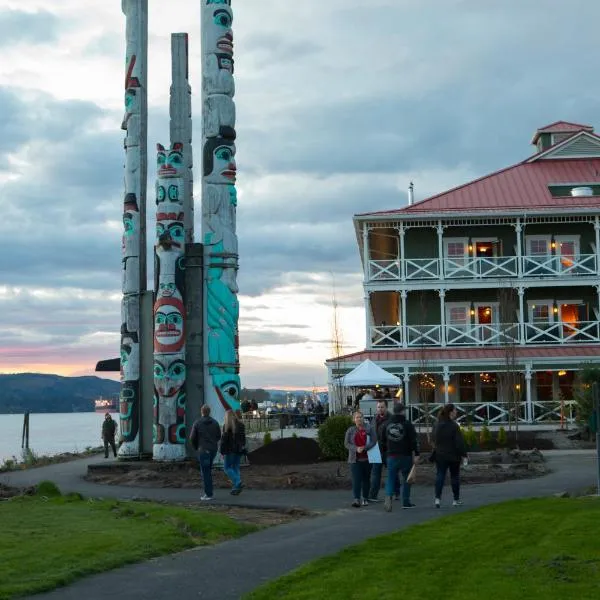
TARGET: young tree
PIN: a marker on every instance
(511, 377)
(337, 347)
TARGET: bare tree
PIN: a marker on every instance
(425, 381)
(510, 377)
(337, 347)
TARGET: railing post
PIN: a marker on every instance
(518, 229)
(366, 253)
(401, 257)
(440, 233)
(529, 405)
(442, 294)
(403, 295)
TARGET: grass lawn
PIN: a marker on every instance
(45, 543)
(530, 549)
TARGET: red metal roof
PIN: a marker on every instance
(449, 354)
(560, 127)
(522, 186)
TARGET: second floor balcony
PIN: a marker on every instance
(499, 267)
(493, 334)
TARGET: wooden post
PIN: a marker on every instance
(25, 434)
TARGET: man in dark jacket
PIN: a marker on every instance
(400, 440)
(204, 437)
(109, 429)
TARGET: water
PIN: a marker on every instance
(51, 433)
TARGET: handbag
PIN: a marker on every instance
(412, 476)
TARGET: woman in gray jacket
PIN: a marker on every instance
(359, 439)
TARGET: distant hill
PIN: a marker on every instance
(52, 393)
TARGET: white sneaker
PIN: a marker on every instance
(457, 503)
(437, 502)
(205, 497)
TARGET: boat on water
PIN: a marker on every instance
(106, 404)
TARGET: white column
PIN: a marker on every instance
(518, 229)
(366, 266)
(529, 406)
(440, 233)
(521, 292)
(368, 336)
(597, 230)
(442, 294)
(401, 258)
(403, 295)
(598, 294)
(446, 378)
(406, 399)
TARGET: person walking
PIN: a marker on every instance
(233, 446)
(204, 437)
(382, 416)
(402, 445)
(449, 448)
(109, 430)
(359, 439)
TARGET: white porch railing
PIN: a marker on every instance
(549, 266)
(496, 413)
(562, 333)
(492, 267)
(384, 270)
(422, 268)
(484, 335)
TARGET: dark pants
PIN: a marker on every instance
(440, 478)
(205, 460)
(361, 473)
(376, 474)
(397, 465)
(110, 441)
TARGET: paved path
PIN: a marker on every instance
(207, 572)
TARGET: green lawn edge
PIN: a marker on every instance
(48, 542)
(535, 549)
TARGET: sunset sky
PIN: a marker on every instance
(340, 104)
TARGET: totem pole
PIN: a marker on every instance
(219, 209)
(134, 219)
(174, 228)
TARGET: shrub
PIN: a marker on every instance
(470, 437)
(268, 438)
(331, 436)
(47, 488)
(502, 438)
(294, 435)
(485, 437)
(30, 458)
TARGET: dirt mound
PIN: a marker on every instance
(287, 451)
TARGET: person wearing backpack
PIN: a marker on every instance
(400, 440)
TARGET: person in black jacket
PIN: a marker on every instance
(233, 446)
(449, 448)
(204, 437)
(109, 429)
(399, 437)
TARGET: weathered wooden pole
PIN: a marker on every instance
(219, 201)
(174, 228)
(134, 222)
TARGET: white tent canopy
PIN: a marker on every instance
(369, 374)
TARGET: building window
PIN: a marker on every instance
(538, 246)
(543, 382)
(466, 387)
(540, 313)
(566, 379)
(456, 250)
(457, 315)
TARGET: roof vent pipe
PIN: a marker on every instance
(411, 193)
(582, 191)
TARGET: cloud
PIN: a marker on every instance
(20, 27)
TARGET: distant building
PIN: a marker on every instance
(489, 294)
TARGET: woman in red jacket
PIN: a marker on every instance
(359, 439)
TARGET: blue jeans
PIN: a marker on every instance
(231, 466)
(440, 477)
(360, 471)
(376, 473)
(395, 465)
(205, 460)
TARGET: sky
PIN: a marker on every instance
(340, 104)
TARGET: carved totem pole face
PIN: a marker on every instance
(219, 161)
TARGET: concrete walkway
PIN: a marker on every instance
(268, 554)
